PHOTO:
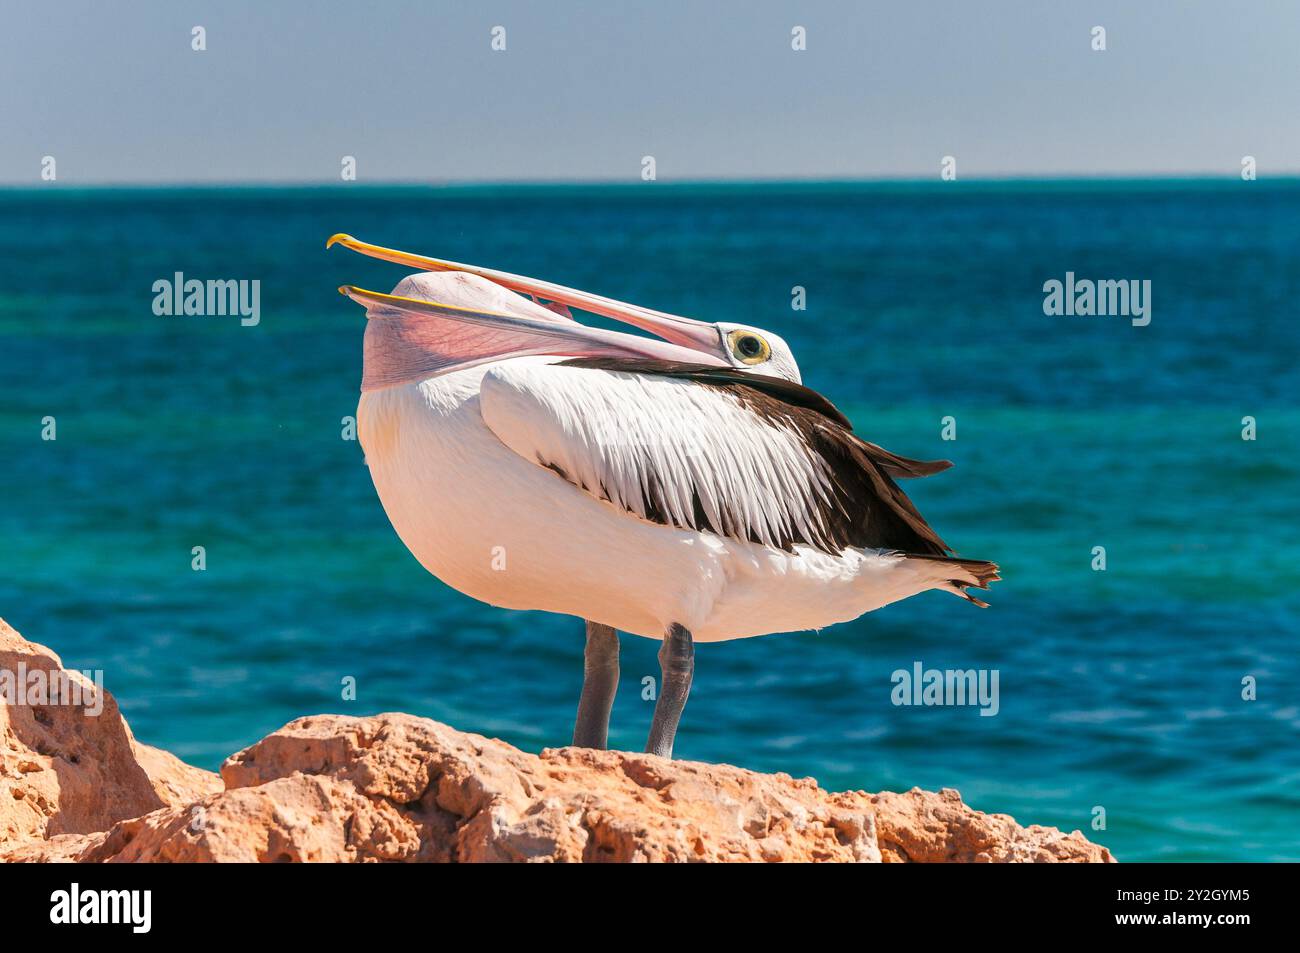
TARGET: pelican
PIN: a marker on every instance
(685, 488)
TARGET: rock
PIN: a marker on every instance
(65, 769)
(399, 788)
(923, 827)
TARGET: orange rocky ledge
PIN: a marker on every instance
(395, 787)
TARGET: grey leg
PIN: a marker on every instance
(599, 683)
(677, 661)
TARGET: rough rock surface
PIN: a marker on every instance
(399, 788)
(66, 771)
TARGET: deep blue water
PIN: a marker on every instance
(1120, 689)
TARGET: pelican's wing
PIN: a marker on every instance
(696, 447)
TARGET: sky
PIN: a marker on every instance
(583, 91)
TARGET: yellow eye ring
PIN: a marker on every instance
(748, 347)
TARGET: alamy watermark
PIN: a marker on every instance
(133, 908)
(216, 296)
(949, 687)
(44, 687)
(1128, 298)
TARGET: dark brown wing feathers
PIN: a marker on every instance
(788, 392)
(867, 509)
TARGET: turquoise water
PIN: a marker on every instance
(1119, 689)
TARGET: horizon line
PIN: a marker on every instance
(452, 184)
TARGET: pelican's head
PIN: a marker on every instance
(757, 351)
(436, 323)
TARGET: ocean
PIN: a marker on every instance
(1120, 689)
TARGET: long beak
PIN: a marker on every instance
(685, 332)
(409, 339)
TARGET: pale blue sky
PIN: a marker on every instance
(712, 90)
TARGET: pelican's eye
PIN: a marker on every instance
(748, 347)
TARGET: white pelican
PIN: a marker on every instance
(687, 489)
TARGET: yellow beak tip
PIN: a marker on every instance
(345, 289)
(338, 237)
